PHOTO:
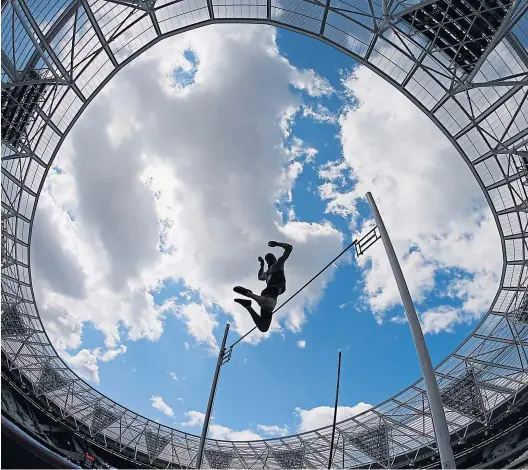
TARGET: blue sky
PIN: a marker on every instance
(265, 383)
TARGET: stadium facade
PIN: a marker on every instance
(464, 63)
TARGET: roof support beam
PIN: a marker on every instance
(46, 46)
(63, 19)
(499, 35)
(99, 33)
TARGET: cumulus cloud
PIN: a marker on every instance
(109, 354)
(308, 420)
(432, 206)
(173, 376)
(321, 416)
(159, 404)
(84, 363)
(319, 113)
(444, 318)
(273, 430)
(217, 431)
(301, 343)
(200, 323)
(224, 433)
(194, 418)
(164, 180)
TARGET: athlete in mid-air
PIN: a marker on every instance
(275, 286)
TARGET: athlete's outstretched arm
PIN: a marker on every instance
(287, 250)
(261, 274)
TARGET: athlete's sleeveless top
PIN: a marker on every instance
(276, 278)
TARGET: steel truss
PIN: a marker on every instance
(463, 63)
(218, 458)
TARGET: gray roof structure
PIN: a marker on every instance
(464, 63)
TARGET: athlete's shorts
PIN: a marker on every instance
(273, 291)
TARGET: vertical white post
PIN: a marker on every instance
(435, 402)
(207, 418)
(335, 411)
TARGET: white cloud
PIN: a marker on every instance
(301, 343)
(186, 346)
(145, 194)
(194, 418)
(224, 433)
(200, 323)
(109, 354)
(217, 431)
(173, 376)
(273, 430)
(319, 113)
(333, 171)
(324, 415)
(444, 318)
(84, 363)
(433, 208)
(159, 404)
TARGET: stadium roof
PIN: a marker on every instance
(462, 62)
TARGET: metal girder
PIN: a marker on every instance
(62, 20)
(18, 183)
(492, 83)
(389, 19)
(490, 364)
(497, 38)
(505, 181)
(46, 81)
(131, 428)
(503, 145)
(325, 16)
(518, 48)
(210, 9)
(155, 23)
(98, 32)
(145, 5)
(45, 45)
(412, 8)
(9, 68)
(512, 341)
(495, 388)
(490, 110)
(38, 47)
(516, 236)
(422, 413)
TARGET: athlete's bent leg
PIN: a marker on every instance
(263, 322)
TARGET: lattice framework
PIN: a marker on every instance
(373, 442)
(102, 418)
(289, 458)
(218, 458)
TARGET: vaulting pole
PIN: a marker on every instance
(335, 411)
(443, 439)
(205, 428)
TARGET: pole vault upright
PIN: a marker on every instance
(207, 418)
(435, 402)
(335, 412)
